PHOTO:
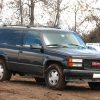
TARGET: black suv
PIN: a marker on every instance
(53, 55)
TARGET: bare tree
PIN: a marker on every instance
(21, 11)
(32, 10)
(17, 7)
(75, 12)
(78, 8)
(91, 15)
(1, 6)
(54, 9)
(32, 7)
(56, 23)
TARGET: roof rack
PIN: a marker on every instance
(30, 26)
(46, 26)
(16, 26)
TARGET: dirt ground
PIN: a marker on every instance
(26, 89)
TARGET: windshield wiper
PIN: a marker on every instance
(56, 45)
(77, 45)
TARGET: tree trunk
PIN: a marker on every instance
(21, 12)
(1, 5)
(75, 21)
(56, 23)
(32, 13)
(76, 10)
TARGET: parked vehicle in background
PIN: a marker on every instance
(51, 55)
(96, 46)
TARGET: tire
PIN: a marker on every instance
(94, 85)
(54, 77)
(5, 75)
(39, 80)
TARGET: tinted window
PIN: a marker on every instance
(11, 37)
(32, 38)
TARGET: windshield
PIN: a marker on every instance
(63, 39)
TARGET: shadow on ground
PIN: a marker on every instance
(69, 87)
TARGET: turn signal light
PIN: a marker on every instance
(70, 63)
(74, 62)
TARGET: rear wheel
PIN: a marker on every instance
(5, 75)
(94, 85)
(54, 77)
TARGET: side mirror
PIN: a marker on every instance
(35, 46)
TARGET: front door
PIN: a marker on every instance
(31, 59)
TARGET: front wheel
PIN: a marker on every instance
(5, 75)
(94, 85)
(54, 77)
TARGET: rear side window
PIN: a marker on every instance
(10, 37)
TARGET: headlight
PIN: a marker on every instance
(75, 62)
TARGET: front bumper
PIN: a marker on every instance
(81, 75)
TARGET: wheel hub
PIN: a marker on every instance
(1, 71)
(53, 77)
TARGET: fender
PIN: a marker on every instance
(54, 59)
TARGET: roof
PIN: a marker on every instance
(33, 28)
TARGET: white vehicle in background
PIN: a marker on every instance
(95, 46)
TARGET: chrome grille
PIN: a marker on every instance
(87, 63)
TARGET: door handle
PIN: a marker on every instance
(18, 45)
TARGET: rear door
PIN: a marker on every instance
(31, 58)
(10, 42)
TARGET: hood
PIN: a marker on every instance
(80, 52)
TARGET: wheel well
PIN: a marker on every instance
(2, 58)
(52, 62)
